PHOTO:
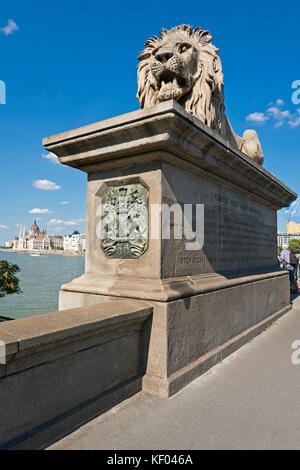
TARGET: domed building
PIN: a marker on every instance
(36, 240)
(35, 231)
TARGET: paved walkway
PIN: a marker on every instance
(249, 401)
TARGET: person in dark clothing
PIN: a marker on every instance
(294, 261)
(285, 257)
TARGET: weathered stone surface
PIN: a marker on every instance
(247, 402)
(9, 339)
(233, 222)
(52, 327)
(271, 299)
(235, 308)
(166, 132)
(97, 263)
(192, 329)
(206, 302)
(282, 290)
(197, 332)
(68, 367)
(266, 303)
(70, 300)
(180, 161)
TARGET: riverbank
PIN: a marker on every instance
(45, 252)
(5, 318)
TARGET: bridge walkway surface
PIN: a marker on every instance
(248, 401)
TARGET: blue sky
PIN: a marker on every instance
(70, 63)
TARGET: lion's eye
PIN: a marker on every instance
(184, 48)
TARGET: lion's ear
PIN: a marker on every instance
(204, 36)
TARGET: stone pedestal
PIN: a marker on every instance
(207, 302)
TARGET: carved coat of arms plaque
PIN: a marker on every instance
(124, 231)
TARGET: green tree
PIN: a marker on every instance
(279, 250)
(294, 246)
(9, 283)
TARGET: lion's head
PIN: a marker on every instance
(183, 65)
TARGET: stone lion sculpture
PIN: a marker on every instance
(184, 65)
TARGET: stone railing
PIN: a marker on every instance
(65, 368)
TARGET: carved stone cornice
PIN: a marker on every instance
(166, 132)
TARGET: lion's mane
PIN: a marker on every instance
(206, 98)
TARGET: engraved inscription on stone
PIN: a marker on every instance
(125, 221)
(239, 234)
(246, 232)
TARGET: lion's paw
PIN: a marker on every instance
(251, 146)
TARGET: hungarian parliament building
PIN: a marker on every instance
(35, 240)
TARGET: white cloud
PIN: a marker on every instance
(278, 102)
(295, 121)
(274, 112)
(277, 113)
(278, 124)
(39, 211)
(46, 185)
(65, 202)
(257, 117)
(64, 222)
(10, 28)
(3, 226)
(51, 157)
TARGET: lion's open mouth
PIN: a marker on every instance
(171, 78)
(171, 86)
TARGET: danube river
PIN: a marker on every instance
(40, 280)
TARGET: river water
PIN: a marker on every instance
(40, 281)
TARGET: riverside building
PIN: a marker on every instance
(36, 240)
(74, 242)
